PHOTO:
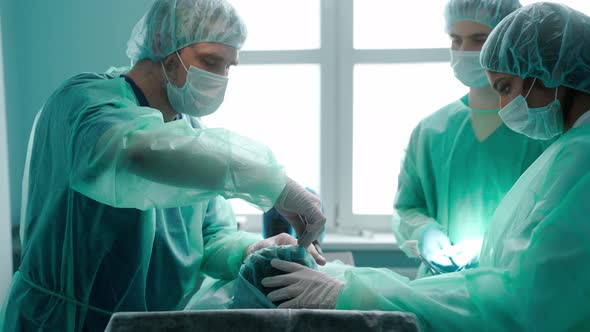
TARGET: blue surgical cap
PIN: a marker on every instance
(486, 12)
(170, 25)
(544, 40)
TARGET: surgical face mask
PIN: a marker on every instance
(467, 68)
(540, 123)
(201, 94)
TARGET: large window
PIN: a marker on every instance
(335, 88)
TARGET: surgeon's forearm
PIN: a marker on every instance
(213, 160)
(224, 256)
(408, 223)
(179, 169)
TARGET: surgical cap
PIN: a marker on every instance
(547, 41)
(170, 25)
(486, 12)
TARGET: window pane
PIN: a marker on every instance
(278, 105)
(581, 5)
(280, 24)
(389, 101)
(380, 24)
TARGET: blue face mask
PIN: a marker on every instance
(467, 68)
(201, 95)
(540, 123)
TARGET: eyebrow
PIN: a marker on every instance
(216, 57)
(475, 35)
(479, 35)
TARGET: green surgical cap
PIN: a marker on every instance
(544, 40)
(486, 12)
(170, 25)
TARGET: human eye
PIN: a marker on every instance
(503, 89)
(480, 40)
(210, 61)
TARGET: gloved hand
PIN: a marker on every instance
(302, 210)
(281, 240)
(465, 254)
(433, 244)
(302, 286)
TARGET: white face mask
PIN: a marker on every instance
(201, 94)
(540, 123)
(467, 68)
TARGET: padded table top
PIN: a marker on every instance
(244, 320)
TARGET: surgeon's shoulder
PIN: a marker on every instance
(574, 145)
(87, 81)
(87, 89)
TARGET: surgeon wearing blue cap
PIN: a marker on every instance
(461, 160)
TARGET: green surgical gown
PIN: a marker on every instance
(451, 180)
(99, 235)
(533, 272)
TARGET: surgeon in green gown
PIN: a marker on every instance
(533, 271)
(462, 159)
(125, 192)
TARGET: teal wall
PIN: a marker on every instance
(44, 43)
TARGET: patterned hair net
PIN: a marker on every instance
(170, 25)
(486, 12)
(544, 40)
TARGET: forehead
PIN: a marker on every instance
(469, 28)
(493, 75)
(228, 53)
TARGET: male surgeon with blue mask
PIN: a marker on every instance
(125, 193)
(461, 160)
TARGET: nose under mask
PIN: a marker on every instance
(468, 69)
(202, 93)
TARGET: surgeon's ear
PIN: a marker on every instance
(171, 64)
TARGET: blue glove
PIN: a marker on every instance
(432, 245)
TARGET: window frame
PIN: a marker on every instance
(337, 58)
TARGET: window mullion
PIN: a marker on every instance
(328, 129)
(344, 109)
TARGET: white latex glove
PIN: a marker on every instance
(282, 240)
(302, 210)
(432, 245)
(465, 252)
(302, 286)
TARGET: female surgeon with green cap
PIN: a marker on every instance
(533, 271)
(124, 192)
(462, 159)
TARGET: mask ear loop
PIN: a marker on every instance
(179, 58)
(164, 69)
(530, 89)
